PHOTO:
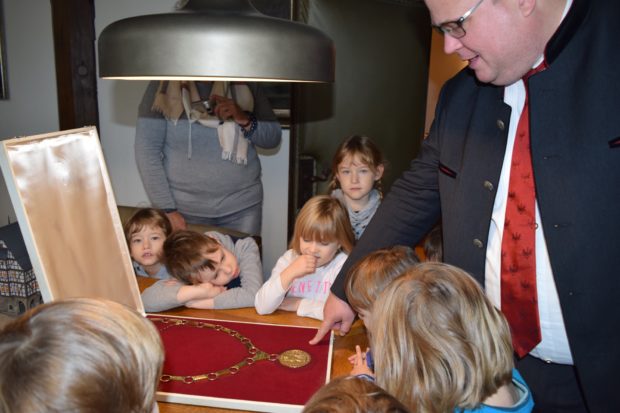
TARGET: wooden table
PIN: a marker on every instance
(343, 346)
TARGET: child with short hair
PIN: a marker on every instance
(349, 394)
(145, 232)
(210, 271)
(80, 355)
(365, 281)
(357, 168)
(458, 353)
(369, 277)
(302, 277)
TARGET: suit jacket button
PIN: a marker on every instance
(488, 185)
(478, 243)
(500, 124)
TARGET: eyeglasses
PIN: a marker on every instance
(455, 28)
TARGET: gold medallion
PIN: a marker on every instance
(294, 358)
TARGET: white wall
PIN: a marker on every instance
(118, 107)
(32, 106)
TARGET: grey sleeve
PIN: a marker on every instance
(268, 132)
(148, 146)
(161, 296)
(251, 273)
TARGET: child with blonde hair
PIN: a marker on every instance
(357, 168)
(435, 327)
(349, 394)
(145, 233)
(211, 271)
(370, 276)
(80, 355)
(302, 277)
(364, 282)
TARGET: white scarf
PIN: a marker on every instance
(172, 100)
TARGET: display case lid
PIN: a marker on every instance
(61, 192)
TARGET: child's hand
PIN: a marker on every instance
(303, 265)
(359, 363)
(209, 290)
(290, 304)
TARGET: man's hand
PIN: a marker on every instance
(177, 220)
(336, 314)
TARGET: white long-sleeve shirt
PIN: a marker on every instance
(313, 288)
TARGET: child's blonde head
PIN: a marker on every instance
(79, 355)
(147, 217)
(361, 148)
(371, 275)
(439, 331)
(324, 219)
(350, 394)
(184, 254)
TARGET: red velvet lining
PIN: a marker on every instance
(193, 351)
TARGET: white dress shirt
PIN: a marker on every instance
(554, 346)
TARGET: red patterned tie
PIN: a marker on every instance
(518, 280)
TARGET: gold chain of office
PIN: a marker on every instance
(290, 358)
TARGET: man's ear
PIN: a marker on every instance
(527, 7)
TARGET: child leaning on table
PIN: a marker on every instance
(365, 281)
(302, 277)
(435, 326)
(80, 355)
(145, 233)
(211, 271)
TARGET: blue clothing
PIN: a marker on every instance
(162, 274)
(524, 405)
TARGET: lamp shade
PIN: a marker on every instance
(215, 40)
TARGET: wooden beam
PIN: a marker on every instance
(76, 71)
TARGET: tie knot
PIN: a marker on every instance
(542, 66)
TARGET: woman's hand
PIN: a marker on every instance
(176, 220)
(227, 109)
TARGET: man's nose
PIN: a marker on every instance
(451, 44)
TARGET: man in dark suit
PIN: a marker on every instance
(462, 176)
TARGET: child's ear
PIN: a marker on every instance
(379, 172)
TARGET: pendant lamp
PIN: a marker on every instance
(215, 40)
